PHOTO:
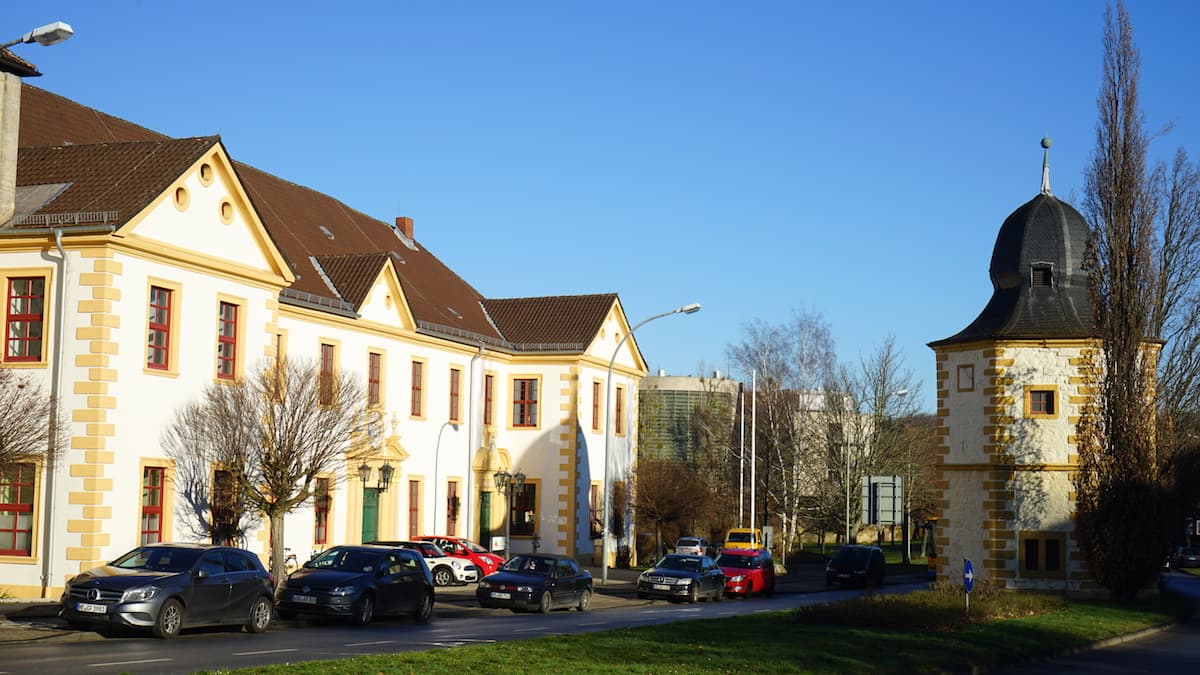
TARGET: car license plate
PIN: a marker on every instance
(304, 599)
(501, 596)
(843, 576)
(90, 608)
(661, 587)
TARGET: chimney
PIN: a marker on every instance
(405, 225)
(10, 113)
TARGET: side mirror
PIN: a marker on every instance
(201, 573)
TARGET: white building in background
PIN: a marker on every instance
(140, 268)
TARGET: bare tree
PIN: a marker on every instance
(32, 427)
(1121, 484)
(790, 361)
(274, 433)
(665, 492)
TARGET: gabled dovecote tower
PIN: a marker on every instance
(1010, 387)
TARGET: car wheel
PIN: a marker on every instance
(720, 594)
(693, 594)
(170, 619)
(546, 602)
(425, 609)
(585, 600)
(364, 611)
(442, 576)
(260, 616)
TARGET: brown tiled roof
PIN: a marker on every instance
(11, 63)
(560, 319)
(300, 221)
(353, 275)
(50, 119)
(134, 174)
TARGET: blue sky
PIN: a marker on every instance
(850, 159)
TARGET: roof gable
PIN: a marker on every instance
(563, 322)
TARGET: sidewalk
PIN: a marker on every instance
(37, 620)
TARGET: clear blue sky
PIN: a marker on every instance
(851, 159)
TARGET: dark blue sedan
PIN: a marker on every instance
(358, 582)
(540, 581)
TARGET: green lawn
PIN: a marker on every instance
(773, 643)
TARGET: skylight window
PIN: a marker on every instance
(1041, 276)
(326, 232)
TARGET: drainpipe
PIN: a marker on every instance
(56, 369)
(471, 444)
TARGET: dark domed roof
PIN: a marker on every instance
(1040, 288)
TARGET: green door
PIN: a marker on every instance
(485, 520)
(370, 515)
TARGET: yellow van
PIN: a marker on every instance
(743, 537)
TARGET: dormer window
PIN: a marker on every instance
(1041, 276)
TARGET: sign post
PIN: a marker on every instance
(968, 581)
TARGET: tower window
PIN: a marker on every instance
(1041, 276)
(1041, 401)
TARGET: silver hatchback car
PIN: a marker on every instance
(168, 587)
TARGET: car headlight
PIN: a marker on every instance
(736, 578)
(341, 590)
(524, 589)
(484, 584)
(140, 594)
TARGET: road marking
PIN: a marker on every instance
(126, 663)
(595, 623)
(531, 630)
(265, 651)
(367, 644)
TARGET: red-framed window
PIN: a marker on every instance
(452, 504)
(153, 482)
(325, 391)
(489, 382)
(158, 338)
(23, 322)
(321, 505)
(374, 384)
(418, 372)
(595, 406)
(524, 511)
(525, 402)
(414, 508)
(619, 411)
(455, 383)
(16, 509)
(227, 317)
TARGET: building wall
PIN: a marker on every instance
(1005, 471)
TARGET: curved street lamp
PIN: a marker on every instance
(437, 450)
(50, 34)
(604, 547)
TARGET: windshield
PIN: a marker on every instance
(432, 551)
(852, 556)
(687, 542)
(741, 561)
(739, 537)
(676, 562)
(345, 560)
(159, 559)
(528, 564)
(474, 548)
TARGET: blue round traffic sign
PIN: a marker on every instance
(968, 574)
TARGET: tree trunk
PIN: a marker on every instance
(277, 555)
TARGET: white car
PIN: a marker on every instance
(446, 569)
(693, 546)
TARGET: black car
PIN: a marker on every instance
(539, 581)
(1185, 556)
(358, 582)
(859, 565)
(168, 587)
(683, 577)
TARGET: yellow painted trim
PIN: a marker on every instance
(239, 346)
(423, 405)
(512, 378)
(454, 414)
(1056, 401)
(49, 302)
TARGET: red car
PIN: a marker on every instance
(465, 548)
(747, 571)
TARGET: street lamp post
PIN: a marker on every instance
(50, 34)
(604, 547)
(437, 451)
(508, 484)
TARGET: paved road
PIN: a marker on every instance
(457, 621)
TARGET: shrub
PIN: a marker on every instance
(941, 608)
